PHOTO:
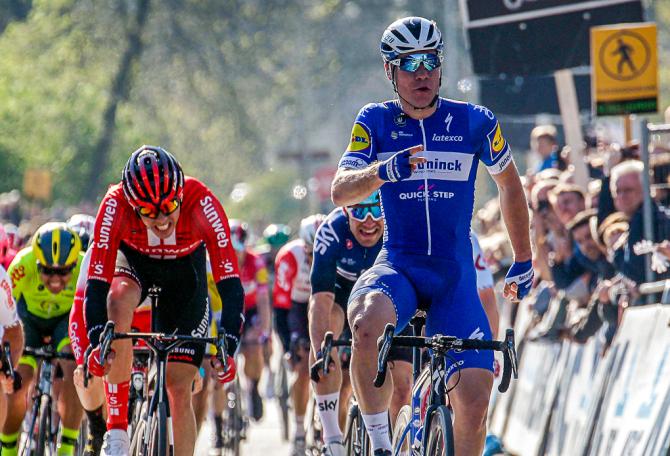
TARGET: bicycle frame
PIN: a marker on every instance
(161, 345)
(43, 392)
(440, 347)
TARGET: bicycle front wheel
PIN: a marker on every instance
(159, 444)
(356, 440)
(44, 444)
(402, 438)
(440, 435)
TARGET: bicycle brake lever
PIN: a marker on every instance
(511, 347)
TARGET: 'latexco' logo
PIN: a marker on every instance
(446, 138)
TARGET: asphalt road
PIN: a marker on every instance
(263, 438)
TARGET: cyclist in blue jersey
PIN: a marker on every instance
(347, 243)
(422, 152)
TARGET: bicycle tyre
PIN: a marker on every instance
(137, 439)
(159, 444)
(439, 434)
(351, 443)
(233, 421)
(282, 395)
(44, 433)
(401, 441)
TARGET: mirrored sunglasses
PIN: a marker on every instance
(361, 211)
(55, 271)
(412, 62)
(166, 208)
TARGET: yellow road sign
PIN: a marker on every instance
(624, 65)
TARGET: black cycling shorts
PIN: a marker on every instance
(183, 307)
(281, 327)
(298, 321)
(39, 332)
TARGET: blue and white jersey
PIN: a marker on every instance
(429, 213)
(338, 257)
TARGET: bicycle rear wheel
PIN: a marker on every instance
(440, 435)
(282, 395)
(402, 439)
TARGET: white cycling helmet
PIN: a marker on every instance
(83, 225)
(410, 34)
(308, 227)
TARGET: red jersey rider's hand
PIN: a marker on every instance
(225, 376)
(94, 366)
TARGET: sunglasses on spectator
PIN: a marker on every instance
(166, 208)
(361, 211)
(412, 62)
(55, 271)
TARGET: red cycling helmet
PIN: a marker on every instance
(152, 177)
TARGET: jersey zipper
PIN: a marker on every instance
(426, 192)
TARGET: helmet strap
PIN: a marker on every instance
(417, 108)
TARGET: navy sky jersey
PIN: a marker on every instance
(429, 213)
(338, 257)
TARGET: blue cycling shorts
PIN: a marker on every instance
(445, 288)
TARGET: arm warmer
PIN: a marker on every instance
(232, 298)
(95, 309)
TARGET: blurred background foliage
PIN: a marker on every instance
(229, 86)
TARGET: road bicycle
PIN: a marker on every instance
(153, 435)
(356, 439)
(425, 427)
(42, 423)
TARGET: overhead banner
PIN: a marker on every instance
(625, 69)
(533, 37)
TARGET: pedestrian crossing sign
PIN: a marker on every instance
(624, 69)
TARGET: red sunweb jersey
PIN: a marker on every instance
(202, 219)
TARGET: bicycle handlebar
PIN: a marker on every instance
(109, 335)
(442, 344)
(8, 368)
(47, 354)
(326, 347)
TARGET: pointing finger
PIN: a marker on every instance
(415, 160)
(415, 149)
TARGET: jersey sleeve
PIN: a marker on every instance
(484, 276)
(17, 273)
(8, 316)
(324, 268)
(108, 231)
(286, 270)
(362, 148)
(212, 222)
(488, 140)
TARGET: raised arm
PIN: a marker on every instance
(353, 185)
